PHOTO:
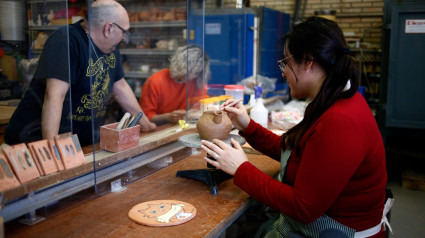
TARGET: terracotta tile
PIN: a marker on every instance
(70, 157)
(42, 151)
(79, 150)
(21, 162)
(34, 157)
(55, 153)
(7, 177)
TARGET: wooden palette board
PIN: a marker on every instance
(7, 178)
(162, 213)
(22, 162)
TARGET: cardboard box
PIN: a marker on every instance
(413, 180)
(115, 140)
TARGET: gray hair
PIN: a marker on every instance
(190, 62)
(99, 14)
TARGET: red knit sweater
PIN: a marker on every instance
(340, 170)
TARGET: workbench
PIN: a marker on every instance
(106, 216)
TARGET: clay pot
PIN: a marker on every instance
(214, 124)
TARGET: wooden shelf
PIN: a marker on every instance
(135, 51)
(158, 24)
(136, 74)
(44, 27)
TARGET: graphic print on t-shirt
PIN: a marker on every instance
(100, 88)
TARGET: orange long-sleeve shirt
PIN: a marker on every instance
(161, 94)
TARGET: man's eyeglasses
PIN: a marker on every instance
(282, 63)
(125, 32)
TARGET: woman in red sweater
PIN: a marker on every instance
(333, 172)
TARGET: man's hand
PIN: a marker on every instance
(176, 115)
(146, 125)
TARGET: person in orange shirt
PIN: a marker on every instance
(164, 94)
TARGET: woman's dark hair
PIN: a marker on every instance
(323, 41)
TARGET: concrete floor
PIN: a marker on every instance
(408, 212)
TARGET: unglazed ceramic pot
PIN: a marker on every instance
(214, 124)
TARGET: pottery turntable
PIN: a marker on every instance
(213, 124)
(211, 176)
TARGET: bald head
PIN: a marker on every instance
(103, 11)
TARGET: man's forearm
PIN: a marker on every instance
(161, 119)
(50, 118)
(52, 107)
(126, 98)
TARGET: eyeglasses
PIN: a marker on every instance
(125, 32)
(283, 62)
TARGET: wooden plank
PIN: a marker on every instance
(107, 216)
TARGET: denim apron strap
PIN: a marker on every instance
(285, 225)
(284, 157)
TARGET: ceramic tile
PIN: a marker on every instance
(79, 150)
(55, 153)
(7, 177)
(22, 163)
(42, 151)
(34, 157)
(70, 157)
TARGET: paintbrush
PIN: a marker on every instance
(231, 104)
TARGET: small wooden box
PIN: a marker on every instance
(118, 140)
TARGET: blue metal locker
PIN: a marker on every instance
(273, 25)
(229, 40)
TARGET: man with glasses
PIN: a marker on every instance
(78, 72)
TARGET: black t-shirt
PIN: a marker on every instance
(87, 71)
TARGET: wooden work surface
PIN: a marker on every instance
(107, 216)
(6, 113)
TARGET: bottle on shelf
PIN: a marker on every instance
(259, 112)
